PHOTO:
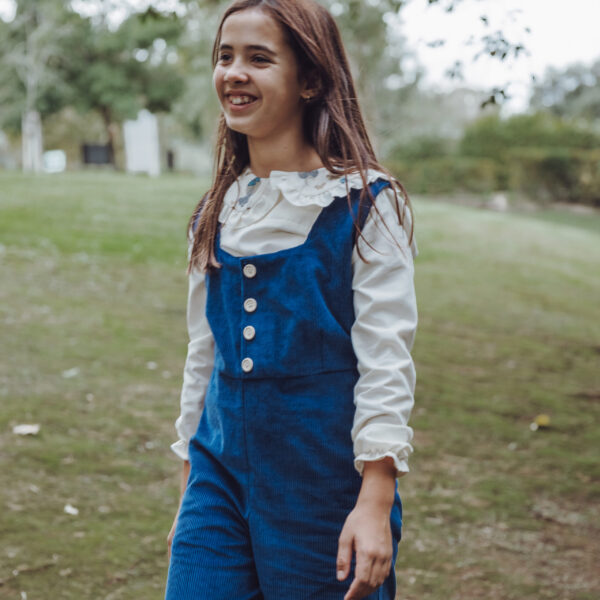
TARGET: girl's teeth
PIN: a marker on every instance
(240, 99)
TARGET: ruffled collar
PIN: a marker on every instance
(317, 187)
(301, 188)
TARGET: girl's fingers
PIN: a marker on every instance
(369, 575)
(344, 555)
(361, 586)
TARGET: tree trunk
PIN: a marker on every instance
(31, 141)
(106, 117)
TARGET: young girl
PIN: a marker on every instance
(298, 383)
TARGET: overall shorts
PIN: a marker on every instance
(272, 467)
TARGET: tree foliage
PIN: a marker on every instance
(573, 92)
(32, 47)
(74, 61)
(119, 72)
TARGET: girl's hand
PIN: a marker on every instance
(185, 473)
(171, 535)
(366, 530)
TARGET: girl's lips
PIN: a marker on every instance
(240, 107)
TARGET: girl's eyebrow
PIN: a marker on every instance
(249, 47)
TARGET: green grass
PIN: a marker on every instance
(92, 272)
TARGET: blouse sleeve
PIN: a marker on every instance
(382, 336)
(198, 365)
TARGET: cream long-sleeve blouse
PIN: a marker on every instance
(264, 215)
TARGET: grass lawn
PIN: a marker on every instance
(93, 340)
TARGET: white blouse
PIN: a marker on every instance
(264, 215)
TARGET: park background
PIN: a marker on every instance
(502, 498)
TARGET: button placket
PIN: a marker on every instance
(250, 305)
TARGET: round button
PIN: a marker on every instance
(250, 304)
(249, 332)
(247, 365)
(249, 270)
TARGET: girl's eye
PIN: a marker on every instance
(260, 59)
(224, 57)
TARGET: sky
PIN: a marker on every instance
(562, 32)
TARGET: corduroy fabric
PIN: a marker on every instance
(272, 477)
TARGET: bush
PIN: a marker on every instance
(424, 147)
(447, 174)
(556, 174)
(547, 158)
(492, 137)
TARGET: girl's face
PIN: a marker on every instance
(256, 76)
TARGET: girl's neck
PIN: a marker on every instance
(290, 154)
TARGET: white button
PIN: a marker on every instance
(250, 304)
(249, 332)
(249, 270)
(247, 365)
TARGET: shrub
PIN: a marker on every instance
(423, 147)
(492, 137)
(556, 174)
(446, 174)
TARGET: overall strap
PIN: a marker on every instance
(334, 213)
(374, 188)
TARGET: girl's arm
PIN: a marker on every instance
(367, 531)
(198, 365)
(382, 337)
(378, 484)
(196, 375)
(185, 474)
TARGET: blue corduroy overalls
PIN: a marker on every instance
(272, 468)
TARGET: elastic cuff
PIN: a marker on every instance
(180, 447)
(400, 464)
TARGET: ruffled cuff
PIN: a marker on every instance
(180, 447)
(400, 462)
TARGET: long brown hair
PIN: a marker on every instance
(332, 120)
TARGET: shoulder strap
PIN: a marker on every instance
(374, 188)
(338, 209)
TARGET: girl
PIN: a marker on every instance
(298, 383)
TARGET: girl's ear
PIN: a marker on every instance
(310, 87)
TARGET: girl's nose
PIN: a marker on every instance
(235, 73)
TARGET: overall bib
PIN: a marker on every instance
(272, 467)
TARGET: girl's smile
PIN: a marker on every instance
(239, 101)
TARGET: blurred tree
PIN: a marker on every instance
(51, 57)
(31, 47)
(376, 51)
(118, 72)
(198, 108)
(495, 44)
(573, 92)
